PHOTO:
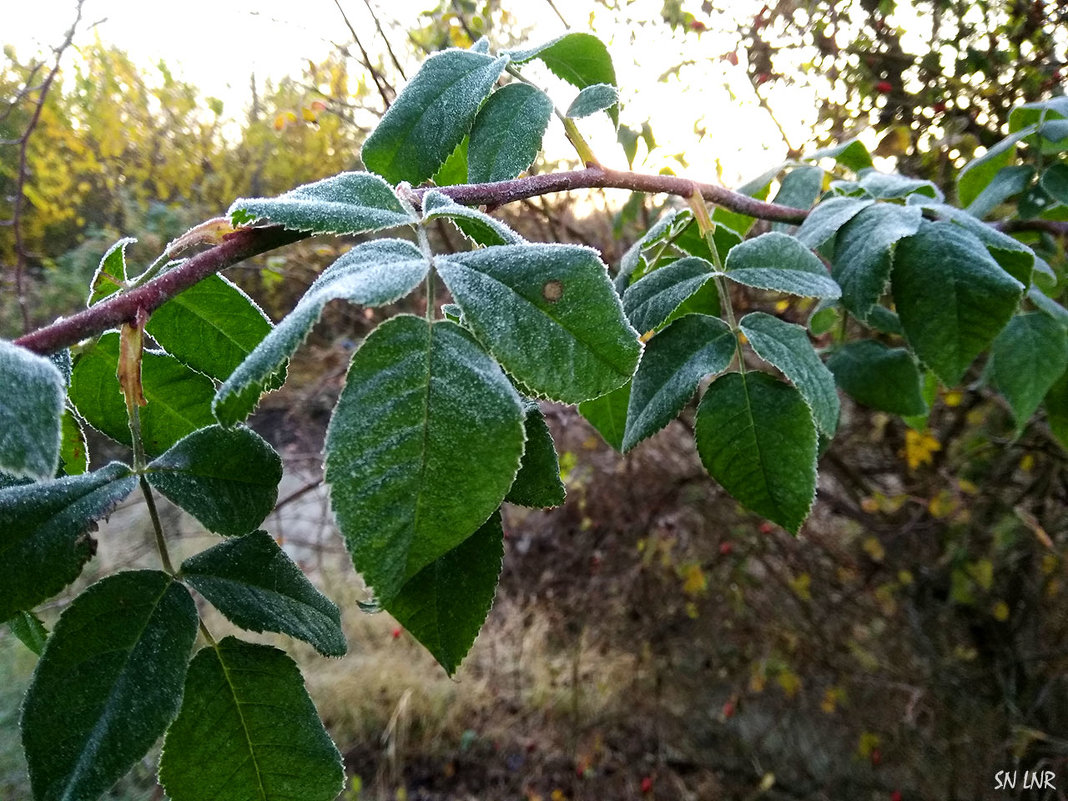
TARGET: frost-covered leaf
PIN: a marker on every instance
(431, 116)
(981, 171)
(30, 631)
(851, 154)
(212, 326)
(892, 186)
(424, 443)
(110, 275)
(1055, 182)
(454, 169)
(179, 399)
(348, 203)
(779, 262)
(608, 414)
(1016, 258)
(108, 684)
(1007, 181)
(482, 228)
(548, 314)
(798, 189)
(787, 347)
(673, 364)
(73, 449)
(537, 484)
(1048, 305)
(248, 731)
(756, 437)
(652, 299)
(371, 274)
(226, 478)
(30, 409)
(581, 59)
(1026, 359)
(666, 228)
(594, 98)
(445, 604)
(827, 217)
(951, 296)
(45, 532)
(506, 135)
(257, 587)
(879, 376)
(863, 252)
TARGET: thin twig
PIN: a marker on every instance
(389, 47)
(384, 89)
(20, 183)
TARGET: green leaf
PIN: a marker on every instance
(951, 296)
(110, 275)
(431, 116)
(212, 327)
(548, 314)
(667, 227)
(1026, 359)
(608, 414)
(454, 169)
(787, 347)
(594, 98)
(978, 173)
(878, 376)
(779, 262)
(1016, 258)
(482, 228)
(506, 135)
(1055, 182)
(798, 189)
(445, 604)
(30, 631)
(108, 683)
(581, 59)
(884, 186)
(863, 252)
(1056, 404)
(257, 587)
(73, 449)
(1007, 181)
(673, 364)
(653, 298)
(537, 484)
(179, 399)
(30, 410)
(756, 437)
(248, 731)
(827, 217)
(226, 478)
(882, 319)
(45, 532)
(424, 443)
(851, 154)
(1048, 305)
(348, 203)
(371, 274)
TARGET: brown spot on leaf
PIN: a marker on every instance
(552, 291)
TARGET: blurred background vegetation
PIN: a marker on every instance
(650, 640)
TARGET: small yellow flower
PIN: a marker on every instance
(919, 448)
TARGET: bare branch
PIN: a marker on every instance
(389, 47)
(384, 89)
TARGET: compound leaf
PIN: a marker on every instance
(431, 116)
(756, 437)
(248, 731)
(226, 478)
(445, 604)
(108, 683)
(45, 532)
(252, 581)
(347, 203)
(371, 274)
(548, 314)
(673, 364)
(424, 443)
(30, 413)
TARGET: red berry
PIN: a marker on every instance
(883, 87)
(766, 528)
(896, 795)
(939, 107)
(876, 757)
(397, 633)
(647, 784)
(698, 26)
(725, 548)
(728, 709)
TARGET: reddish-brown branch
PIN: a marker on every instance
(123, 308)
(249, 242)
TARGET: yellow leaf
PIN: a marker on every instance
(801, 585)
(919, 448)
(1001, 611)
(867, 743)
(942, 504)
(782, 306)
(1027, 463)
(874, 549)
(790, 682)
(308, 114)
(953, 398)
(694, 581)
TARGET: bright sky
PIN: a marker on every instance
(710, 115)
